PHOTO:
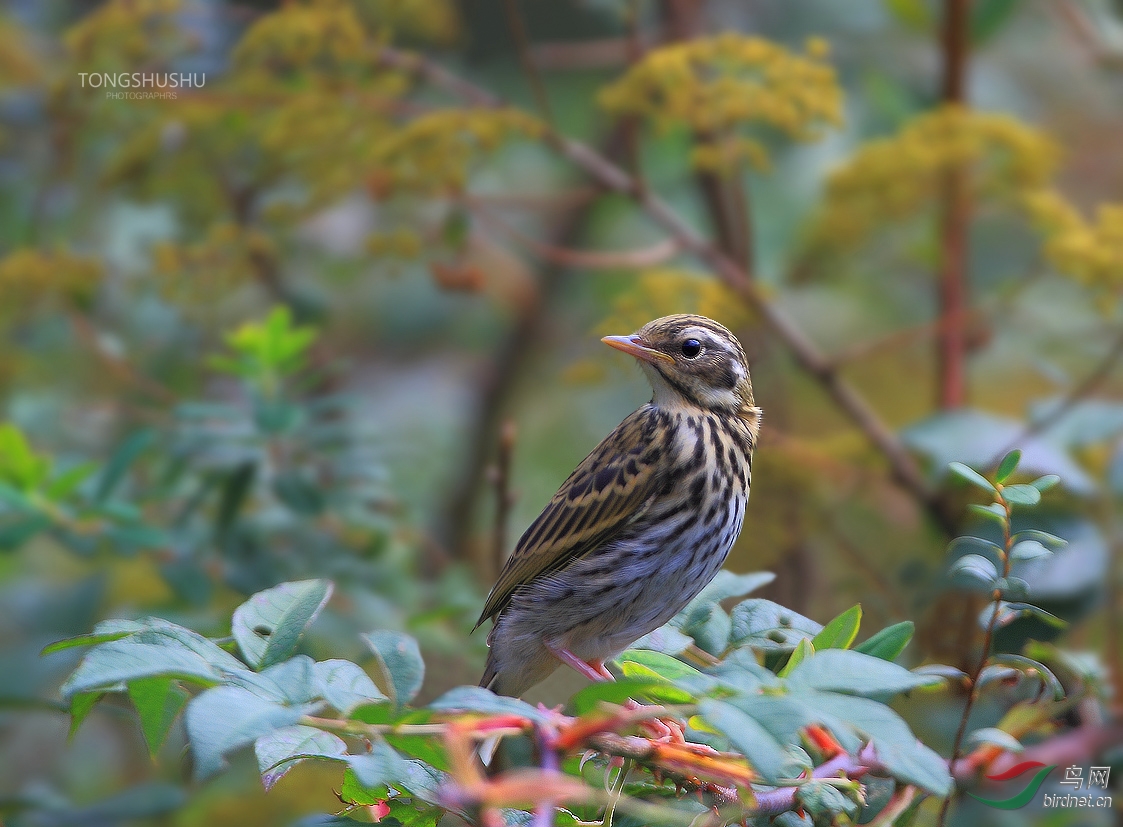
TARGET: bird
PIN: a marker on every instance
(642, 524)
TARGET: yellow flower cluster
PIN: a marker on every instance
(229, 256)
(720, 86)
(335, 34)
(434, 153)
(396, 243)
(663, 291)
(299, 36)
(896, 178)
(19, 66)
(29, 277)
(1089, 252)
(429, 21)
(122, 34)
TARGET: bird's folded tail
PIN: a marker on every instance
(488, 746)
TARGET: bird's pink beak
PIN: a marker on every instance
(634, 346)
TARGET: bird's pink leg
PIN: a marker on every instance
(594, 670)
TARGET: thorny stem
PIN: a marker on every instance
(984, 655)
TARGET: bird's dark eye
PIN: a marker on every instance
(691, 348)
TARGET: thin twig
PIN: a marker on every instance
(806, 354)
(1076, 394)
(510, 359)
(517, 26)
(984, 655)
(504, 499)
(591, 259)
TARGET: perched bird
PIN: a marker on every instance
(642, 524)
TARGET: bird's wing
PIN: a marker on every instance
(611, 487)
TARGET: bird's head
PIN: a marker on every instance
(691, 360)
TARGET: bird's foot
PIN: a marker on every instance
(663, 728)
(594, 670)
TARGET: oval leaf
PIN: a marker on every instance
(268, 626)
(400, 659)
(970, 475)
(840, 632)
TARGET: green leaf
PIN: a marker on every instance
(976, 542)
(1009, 612)
(80, 706)
(1021, 495)
(1046, 482)
(840, 632)
(400, 660)
(1027, 550)
(768, 626)
(126, 454)
(301, 495)
(971, 475)
(352, 792)
(710, 629)
(268, 626)
(898, 749)
(656, 664)
(158, 700)
(1043, 537)
(995, 737)
(379, 767)
(289, 682)
(82, 640)
(345, 685)
(666, 639)
(17, 532)
(889, 642)
(827, 804)
(976, 567)
(653, 690)
(803, 650)
(66, 483)
(850, 672)
(1008, 465)
(988, 17)
(765, 753)
(229, 717)
(915, 15)
(725, 585)
(284, 748)
(942, 672)
(478, 699)
(236, 488)
(122, 661)
(1035, 670)
(20, 466)
(994, 512)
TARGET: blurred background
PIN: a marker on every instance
(330, 311)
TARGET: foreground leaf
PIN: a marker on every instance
(281, 750)
(158, 701)
(400, 659)
(228, 717)
(268, 626)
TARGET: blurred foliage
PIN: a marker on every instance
(718, 86)
(257, 327)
